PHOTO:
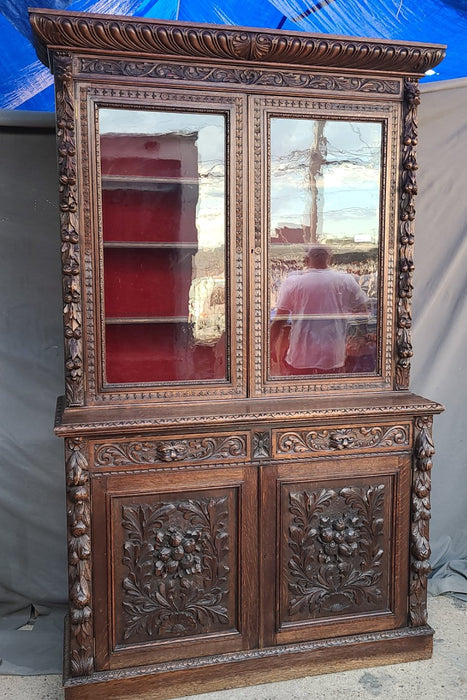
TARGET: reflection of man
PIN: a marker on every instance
(317, 302)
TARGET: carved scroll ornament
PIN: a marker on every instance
(122, 453)
(79, 559)
(300, 442)
(237, 76)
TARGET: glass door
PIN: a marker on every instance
(324, 227)
(164, 199)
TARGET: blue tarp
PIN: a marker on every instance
(26, 84)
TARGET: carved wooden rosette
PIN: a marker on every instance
(421, 514)
(79, 558)
(406, 234)
(66, 141)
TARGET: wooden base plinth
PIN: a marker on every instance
(253, 667)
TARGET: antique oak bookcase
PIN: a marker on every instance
(235, 514)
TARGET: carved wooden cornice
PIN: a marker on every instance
(106, 34)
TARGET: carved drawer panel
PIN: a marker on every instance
(133, 453)
(340, 570)
(306, 442)
(173, 554)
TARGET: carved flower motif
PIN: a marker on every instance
(177, 553)
(338, 536)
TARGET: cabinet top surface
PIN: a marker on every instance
(94, 420)
(107, 34)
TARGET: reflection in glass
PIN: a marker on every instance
(163, 220)
(325, 181)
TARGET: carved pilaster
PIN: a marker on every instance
(66, 142)
(406, 234)
(420, 518)
(79, 559)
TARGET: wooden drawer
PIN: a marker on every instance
(326, 440)
(136, 452)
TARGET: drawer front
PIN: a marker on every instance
(137, 452)
(325, 440)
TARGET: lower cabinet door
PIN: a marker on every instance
(334, 547)
(172, 570)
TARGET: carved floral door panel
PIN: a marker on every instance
(340, 570)
(176, 579)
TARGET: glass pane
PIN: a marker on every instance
(325, 182)
(164, 239)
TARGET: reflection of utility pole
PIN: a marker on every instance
(318, 152)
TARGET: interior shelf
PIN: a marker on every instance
(113, 320)
(151, 244)
(145, 182)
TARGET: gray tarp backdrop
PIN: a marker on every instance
(32, 511)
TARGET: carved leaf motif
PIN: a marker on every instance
(177, 558)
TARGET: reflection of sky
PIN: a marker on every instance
(210, 212)
(348, 183)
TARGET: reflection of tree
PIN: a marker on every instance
(321, 157)
(318, 153)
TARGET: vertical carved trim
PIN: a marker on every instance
(406, 234)
(66, 142)
(420, 518)
(79, 558)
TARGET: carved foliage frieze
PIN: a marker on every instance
(177, 582)
(237, 76)
(420, 519)
(134, 452)
(301, 442)
(406, 234)
(335, 551)
(79, 558)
